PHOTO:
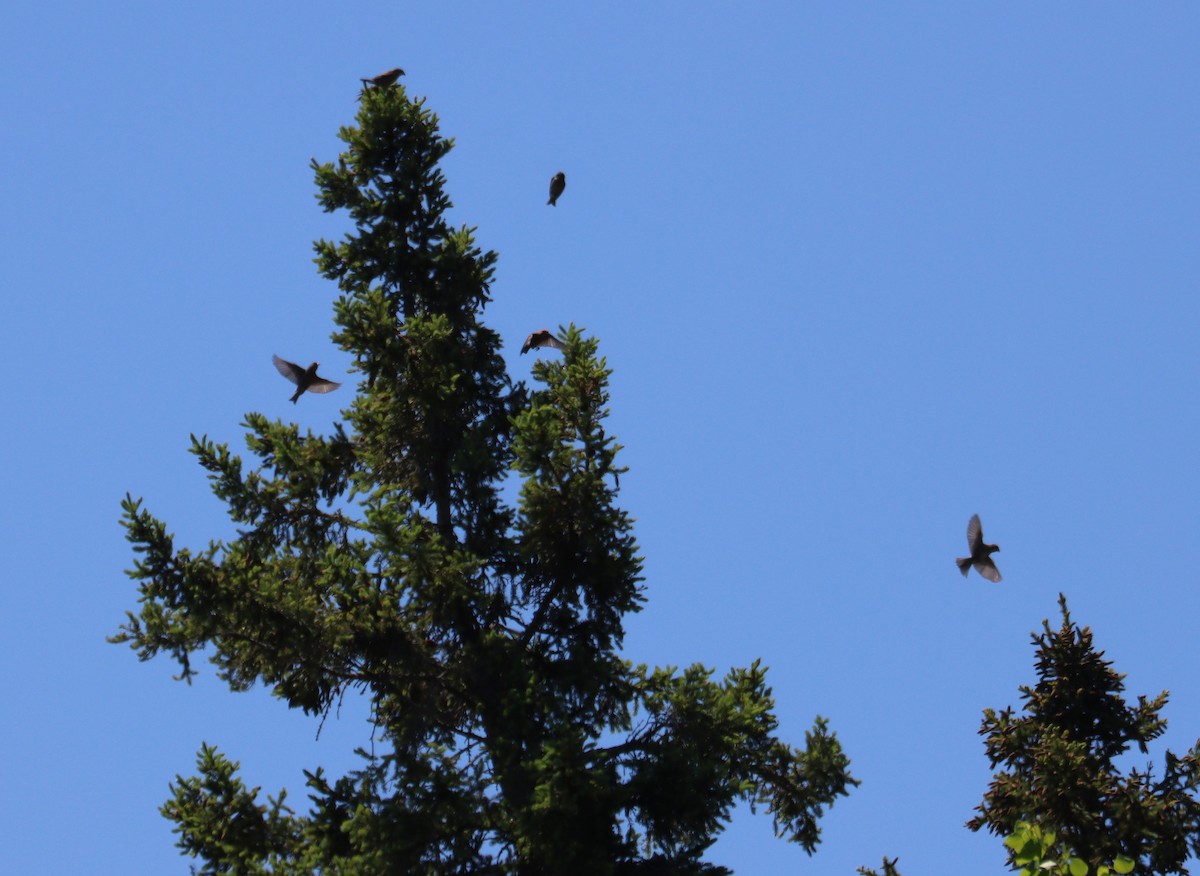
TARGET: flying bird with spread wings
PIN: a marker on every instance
(306, 379)
(383, 80)
(542, 338)
(557, 184)
(981, 554)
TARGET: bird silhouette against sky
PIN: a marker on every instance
(383, 80)
(306, 379)
(542, 338)
(981, 554)
(557, 184)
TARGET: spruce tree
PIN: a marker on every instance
(1059, 763)
(510, 734)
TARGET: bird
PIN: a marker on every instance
(557, 184)
(542, 338)
(980, 553)
(383, 80)
(305, 379)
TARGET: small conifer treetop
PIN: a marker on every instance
(1058, 763)
(382, 558)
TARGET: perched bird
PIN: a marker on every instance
(305, 379)
(542, 338)
(981, 553)
(383, 80)
(557, 184)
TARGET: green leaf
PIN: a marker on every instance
(1123, 864)
(1077, 867)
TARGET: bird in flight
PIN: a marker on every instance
(542, 338)
(383, 80)
(557, 184)
(981, 553)
(304, 378)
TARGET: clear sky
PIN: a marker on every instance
(861, 270)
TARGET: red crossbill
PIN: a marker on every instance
(980, 553)
(557, 184)
(304, 378)
(542, 338)
(383, 80)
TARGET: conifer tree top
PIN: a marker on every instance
(388, 558)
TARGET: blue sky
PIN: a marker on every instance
(861, 270)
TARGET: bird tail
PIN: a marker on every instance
(551, 203)
(964, 565)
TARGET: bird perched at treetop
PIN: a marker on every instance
(304, 378)
(981, 553)
(557, 184)
(383, 80)
(542, 338)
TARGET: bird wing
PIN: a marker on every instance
(987, 569)
(290, 370)
(322, 385)
(974, 533)
(542, 338)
